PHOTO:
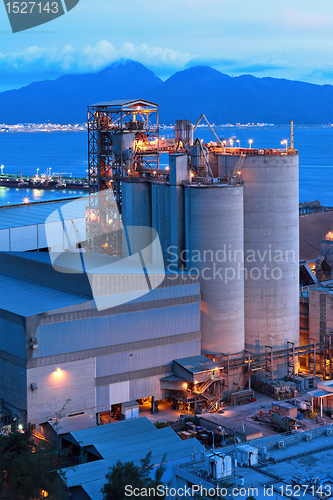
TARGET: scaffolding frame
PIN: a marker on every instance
(119, 146)
(107, 121)
(265, 360)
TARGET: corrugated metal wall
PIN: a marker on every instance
(144, 358)
(33, 237)
(104, 331)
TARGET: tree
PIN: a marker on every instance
(133, 476)
(28, 470)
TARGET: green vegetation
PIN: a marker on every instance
(28, 470)
(162, 425)
(132, 476)
(195, 420)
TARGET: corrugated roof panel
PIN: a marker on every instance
(94, 471)
(37, 213)
(124, 102)
(93, 489)
(319, 393)
(196, 364)
(20, 297)
(136, 443)
(70, 424)
(116, 430)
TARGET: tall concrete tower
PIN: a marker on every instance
(271, 249)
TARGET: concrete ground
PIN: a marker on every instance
(231, 416)
(165, 412)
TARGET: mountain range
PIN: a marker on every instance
(186, 94)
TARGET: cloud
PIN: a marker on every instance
(67, 59)
(325, 73)
(241, 66)
(297, 18)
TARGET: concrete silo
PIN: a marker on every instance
(271, 245)
(136, 217)
(214, 248)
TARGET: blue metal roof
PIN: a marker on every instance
(93, 489)
(37, 213)
(131, 444)
(95, 471)
(26, 298)
(114, 431)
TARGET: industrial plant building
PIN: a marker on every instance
(220, 221)
(228, 213)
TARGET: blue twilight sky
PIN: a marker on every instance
(280, 38)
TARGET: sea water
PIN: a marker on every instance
(68, 153)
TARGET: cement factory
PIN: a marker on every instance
(204, 303)
(217, 208)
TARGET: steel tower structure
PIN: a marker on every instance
(123, 142)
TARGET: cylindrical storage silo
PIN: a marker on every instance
(184, 131)
(214, 248)
(198, 160)
(271, 244)
(161, 217)
(136, 217)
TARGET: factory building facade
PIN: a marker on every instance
(61, 355)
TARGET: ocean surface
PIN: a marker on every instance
(68, 153)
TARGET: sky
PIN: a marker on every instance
(283, 39)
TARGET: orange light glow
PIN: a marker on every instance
(167, 168)
(26, 200)
(192, 174)
(58, 371)
(185, 385)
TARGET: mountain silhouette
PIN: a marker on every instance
(186, 94)
(244, 99)
(65, 99)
